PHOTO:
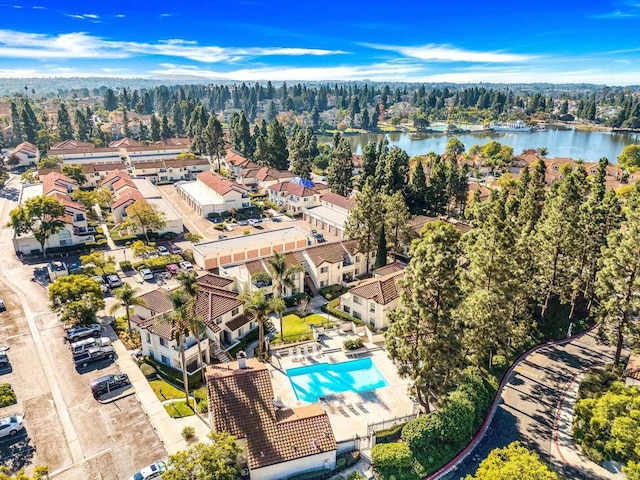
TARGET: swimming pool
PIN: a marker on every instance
(322, 379)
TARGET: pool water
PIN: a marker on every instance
(314, 381)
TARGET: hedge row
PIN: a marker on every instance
(82, 247)
(172, 374)
(157, 263)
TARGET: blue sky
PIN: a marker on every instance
(560, 41)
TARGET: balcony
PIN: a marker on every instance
(191, 342)
(83, 231)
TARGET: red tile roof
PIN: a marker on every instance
(220, 184)
(381, 290)
(418, 222)
(125, 142)
(241, 402)
(26, 147)
(126, 195)
(157, 301)
(70, 144)
(67, 201)
(56, 181)
(294, 189)
(633, 367)
(213, 302)
(338, 200)
(391, 268)
(331, 252)
(214, 280)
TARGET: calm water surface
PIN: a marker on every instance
(589, 146)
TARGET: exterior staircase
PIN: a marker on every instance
(222, 355)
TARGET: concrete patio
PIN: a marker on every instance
(349, 413)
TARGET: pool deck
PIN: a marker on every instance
(349, 413)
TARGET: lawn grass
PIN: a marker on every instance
(179, 410)
(317, 320)
(168, 390)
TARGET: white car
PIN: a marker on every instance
(100, 280)
(186, 265)
(155, 470)
(146, 274)
(9, 426)
(163, 251)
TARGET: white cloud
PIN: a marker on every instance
(84, 16)
(81, 45)
(616, 14)
(448, 53)
(38, 7)
(120, 15)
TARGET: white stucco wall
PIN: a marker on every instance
(284, 470)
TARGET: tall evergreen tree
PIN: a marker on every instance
(65, 132)
(365, 220)
(165, 130)
(381, 250)
(154, 128)
(277, 146)
(418, 190)
(423, 338)
(109, 102)
(29, 123)
(214, 139)
(396, 220)
(301, 159)
(82, 128)
(16, 124)
(340, 171)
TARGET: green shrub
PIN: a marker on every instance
(354, 344)
(188, 255)
(7, 395)
(328, 296)
(102, 242)
(422, 432)
(126, 266)
(499, 362)
(157, 263)
(395, 456)
(246, 232)
(294, 300)
(595, 382)
(173, 375)
(98, 237)
(313, 475)
(148, 370)
(99, 230)
(188, 433)
(220, 226)
(203, 406)
(390, 435)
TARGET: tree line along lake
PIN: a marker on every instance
(559, 141)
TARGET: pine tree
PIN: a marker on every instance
(618, 285)
(16, 125)
(423, 338)
(109, 101)
(369, 161)
(340, 171)
(365, 220)
(381, 251)
(29, 123)
(392, 170)
(65, 132)
(418, 190)
(301, 159)
(155, 128)
(82, 130)
(277, 146)
(396, 221)
(165, 131)
(126, 132)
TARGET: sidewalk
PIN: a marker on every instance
(564, 450)
(164, 425)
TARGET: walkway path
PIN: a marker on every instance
(534, 394)
(164, 425)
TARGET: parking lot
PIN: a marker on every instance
(66, 429)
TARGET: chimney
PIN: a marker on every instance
(242, 359)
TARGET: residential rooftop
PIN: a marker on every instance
(247, 241)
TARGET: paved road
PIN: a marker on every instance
(66, 429)
(530, 402)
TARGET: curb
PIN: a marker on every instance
(453, 463)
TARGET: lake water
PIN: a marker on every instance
(588, 146)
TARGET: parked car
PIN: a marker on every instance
(9, 426)
(150, 255)
(3, 307)
(100, 280)
(173, 269)
(276, 219)
(78, 333)
(186, 265)
(175, 249)
(155, 470)
(108, 383)
(146, 274)
(254, 222)
(229, 227)
(114, 281)
(243, 223)
(222, 237)
(93, 354)
(4, 359)
(163, 251)
(87, 343)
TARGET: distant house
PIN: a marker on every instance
(169, 170)
(75, 231)
(278, 441)
(371, 300)
(293, 197)
(331, 214)
(214, 194)
(261, 178)
(94, 172)
(25, 154)
(234, 163)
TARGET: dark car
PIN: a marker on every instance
(109, 383)
(76, 333)
(175, 249)
(3, 307)
(4, 359)
(114, 281)
(94, 354)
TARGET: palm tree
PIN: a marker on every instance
(179, 319)
(283, 276)
(260, 307)
(189, 287)
(127, 298)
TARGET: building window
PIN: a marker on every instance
(346, 309)
(357, 315)
(323, 283)
(324, 269)
(65, 242)
(218, 320)
(372, 307)
(357, 258)
(163, 342)
(148, 337)
(79, 217)
(165, 360)
(234, 312)
(357, 272)
(372, 322)
(241, 331)
(357, 300)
